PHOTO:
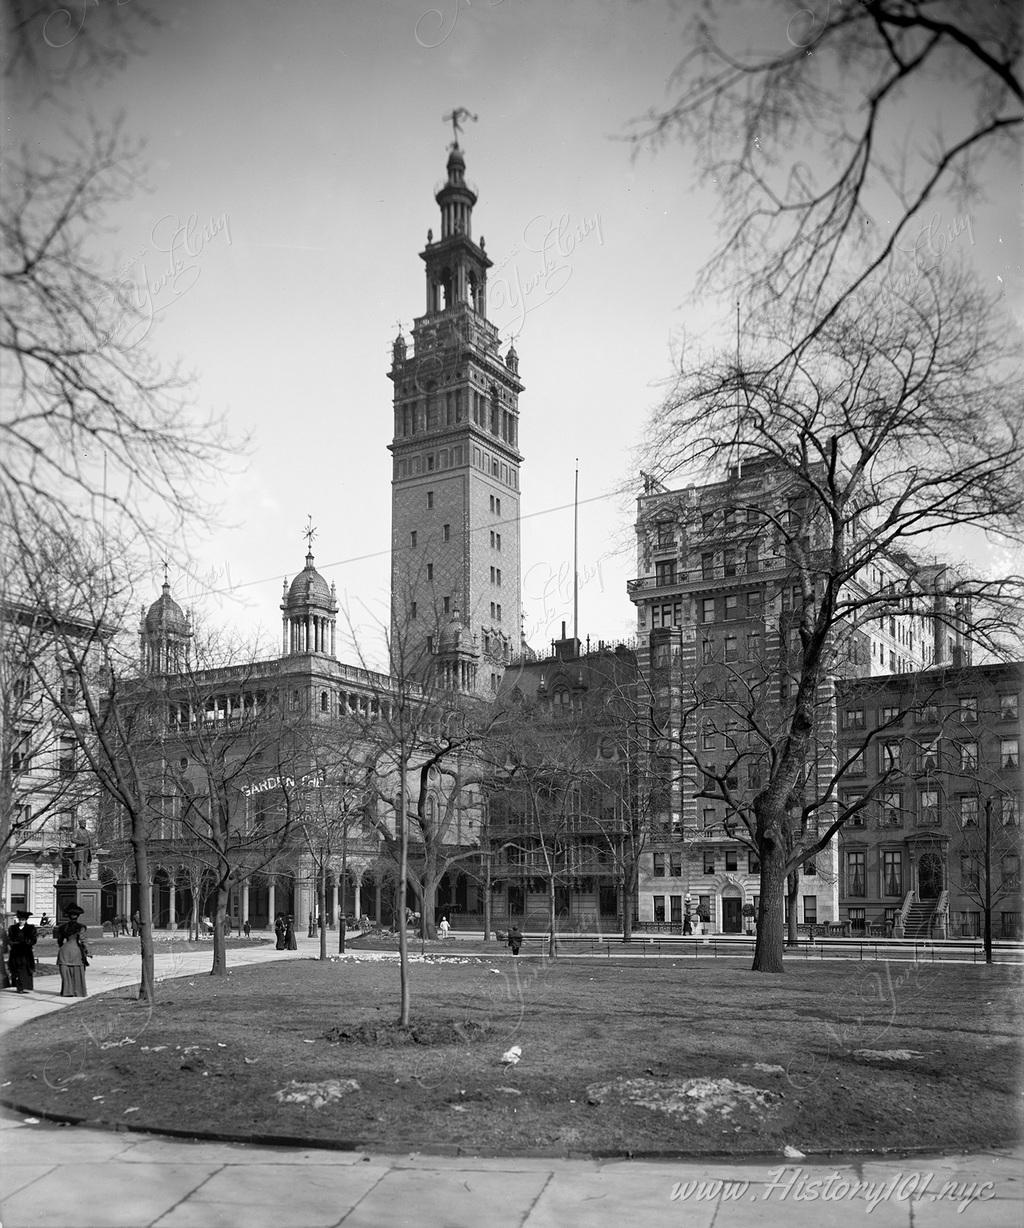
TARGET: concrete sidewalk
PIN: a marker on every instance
(71, 1177)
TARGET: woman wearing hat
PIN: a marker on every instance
(21, 960)
(73, 954)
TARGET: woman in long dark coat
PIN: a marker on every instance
(279, 932)
(21, 959)
(72, 954)
(289, 935)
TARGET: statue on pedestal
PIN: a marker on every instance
(81, 853)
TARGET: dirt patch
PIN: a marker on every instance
(429, 1032)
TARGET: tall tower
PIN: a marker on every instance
(456, 459)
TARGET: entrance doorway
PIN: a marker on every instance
(732, 916)
(929, 876)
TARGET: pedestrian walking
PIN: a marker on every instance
(289, 934)
(21, 960)
(136, 923)
(72, 954)
(246, 927)
(443, 928)
(279, 931)
(515, 939)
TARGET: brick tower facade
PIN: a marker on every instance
(455, 481)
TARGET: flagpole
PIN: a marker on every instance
(575, 553)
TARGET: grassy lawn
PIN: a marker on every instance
(672, 1056)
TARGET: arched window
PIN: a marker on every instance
(323, 701)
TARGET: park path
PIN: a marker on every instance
(75, 1177)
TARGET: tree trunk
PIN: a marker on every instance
(322, 907)
(769, 941)
(147, 984)
(988, 881)
(220, 963)
(487, 900)
(403, 878)
(552, 941)
(792, 887)
(628, 882)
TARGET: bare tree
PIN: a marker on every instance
(990, 853)
(817, 146)
(91, 430)
(883, 433)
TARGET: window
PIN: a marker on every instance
(447, 605)
(498, 572)
(430, 571)
(430, 498)
(732, 605)
(708, 817)
(1011, 872)
(659, 908)
(1009, 809)
(890, 808)
(928, 807)
(446, 532)
(755, 603)
(412, 538)
(708, 738)
(732, 648)
(810, 869)
(853, 718)
(497, 538)
(665, 573)
(855, 872)
(752, 562)
(1009, 752)
(731, 859)
(708, 610)
(497, 504)
(969, 924)
(21, 753)
(412, 609)
(659, 865)
(66, 757)
(928, 756)
(858, 920)
(855, 765)
(709, 861)
(1008, 707)
(927, 714)
(69, 687)
(704, 907)
(967, 810)
(666, 536)
(499, 611)
(707, 566)
(492, 609)
(707, 651)
(19, 898)
(676, 905)
(810, 910)
(968, 756)
(492, 575)
(729, 562)
(968, 707)
(888, 716)
(1010, 925)
(852, 798)
(889, 756)
(753, 645)
(892, 873)
(675, 865)
(753, 864)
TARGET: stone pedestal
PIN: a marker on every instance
(83, 892)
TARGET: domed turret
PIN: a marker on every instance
(164, 633)
(457, 656)
(308, 610)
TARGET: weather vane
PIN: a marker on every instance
(309, 534)
(455, 119)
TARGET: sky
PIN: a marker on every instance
(293, 152)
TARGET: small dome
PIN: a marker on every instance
(310, 588)
(454, 637)
(165, 614)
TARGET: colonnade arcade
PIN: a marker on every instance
(365, 891)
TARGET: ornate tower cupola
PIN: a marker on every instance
(309, 610)
(164, 633)
(456, 460)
